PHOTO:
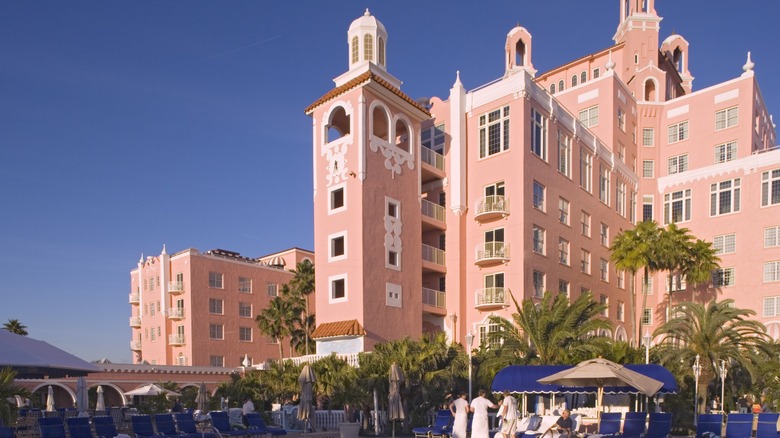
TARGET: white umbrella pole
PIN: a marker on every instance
(376, 412)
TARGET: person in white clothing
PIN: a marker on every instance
(248, 407)
(460, 411)
(479, 424)
(508, 411)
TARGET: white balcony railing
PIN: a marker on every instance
(492, 251)
(134, 298)
(435, 298)
(433, 255)
(492, 297)
(493, 205)
(175, 339)
(135, 321)
(176, 313)
(433, 158)
(135, 345)
(351, 359)
(433, 210)
(175, 287)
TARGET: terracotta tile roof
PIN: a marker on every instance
(338, 328)
(354, 83)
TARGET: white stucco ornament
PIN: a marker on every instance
(335, 156)
(394, 158)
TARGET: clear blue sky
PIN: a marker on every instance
(126, 125)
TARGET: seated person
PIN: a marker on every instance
(564, 425)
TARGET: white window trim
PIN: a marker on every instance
(725, 112)
(331, 258)
(330, 193)
(394, 288)
(333, 278)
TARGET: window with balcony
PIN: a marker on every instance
(494, 132)
(724, 197)
(433, 138)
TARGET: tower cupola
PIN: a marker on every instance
(367, 39)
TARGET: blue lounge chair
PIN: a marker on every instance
(659, 425)
(51, 427)
(166, 427)
(256, 422)
(442, 425)
(104, 427)
(221, 423)
(78, 427)
(767, 425)
(739, 425)
(185, 424)
(609, 424)
(634, 425)
(142, 426)
(711, 424)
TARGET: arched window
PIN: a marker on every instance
(626, 7)
(381, 50)
(583, 77)
(402, 136)
(677, 59)
(355, 50)
(552, 88)
(368, 48)
(560, 85)
(520, 53)
(574, 80)
(380, 123)
(339, 124)
(650, 93)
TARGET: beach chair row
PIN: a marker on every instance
(738, 425)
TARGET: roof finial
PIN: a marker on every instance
(163, 251)
(610, 63)
(367, 14)
(457, 78)
(748, 65)
(141, 260)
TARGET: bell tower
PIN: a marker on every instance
(367, 205)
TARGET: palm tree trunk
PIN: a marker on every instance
(645, 277)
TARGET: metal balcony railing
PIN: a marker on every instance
(134, 298)
(175, 287)
(433, 158)
(135, 321)
(433, 255)
(492, 251)
(433, 210)
(492, 205)
(135, 345)
(492, 297)
(175, 339)
(435, 298)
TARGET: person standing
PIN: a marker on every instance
(460, 410)
(508, 411)
(479, 424)
(248, 407)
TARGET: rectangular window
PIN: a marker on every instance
(771, 271)
(677, 282)
(216, 331)
(648, 169)
(677, 164)
(392, 258)
(585, 262)
(272, 289)
(771, 237)
(620, 199)
(723, 277)
(152, 310)
(564, 154)
(337, 246)
(724, 244)
(604, 184)
(217, 361)
(538, 196)
(621, 279)
(494, 132)
(586, 171)
(563, 211)
(215, 306)
(215, 280)
(538, 239)
(563, 287)
(726, 118)
(604, 301)
(678, 132)
(604, 269)
(245, 285)
(647, 208)
(647, 288)
(563, 251)
(648, 137)
(433, 138)
(245, 334)
(621, 311)
(589, 116)
(489, 335)
(245, 310)
(771, 307)
(338, 288)
(726, 152)
(770, 188)
(621, 119)
(724, 197)
(538, 279)
(539, 134)
(585, 223)
(337, 200)
(393, 210)
(677, 206)
(647, 316)
(604, 234)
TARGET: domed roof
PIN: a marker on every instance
(367, 20)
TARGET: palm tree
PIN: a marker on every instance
(275, 320)
(303, 284)
(634, 250)
(555, 331)
(9, 389)
(14, 326)
(714, 331)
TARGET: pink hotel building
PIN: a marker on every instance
(428, 216)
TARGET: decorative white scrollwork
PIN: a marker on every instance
(335, 154)
(395, 158)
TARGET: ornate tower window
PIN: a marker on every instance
(368, 47)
